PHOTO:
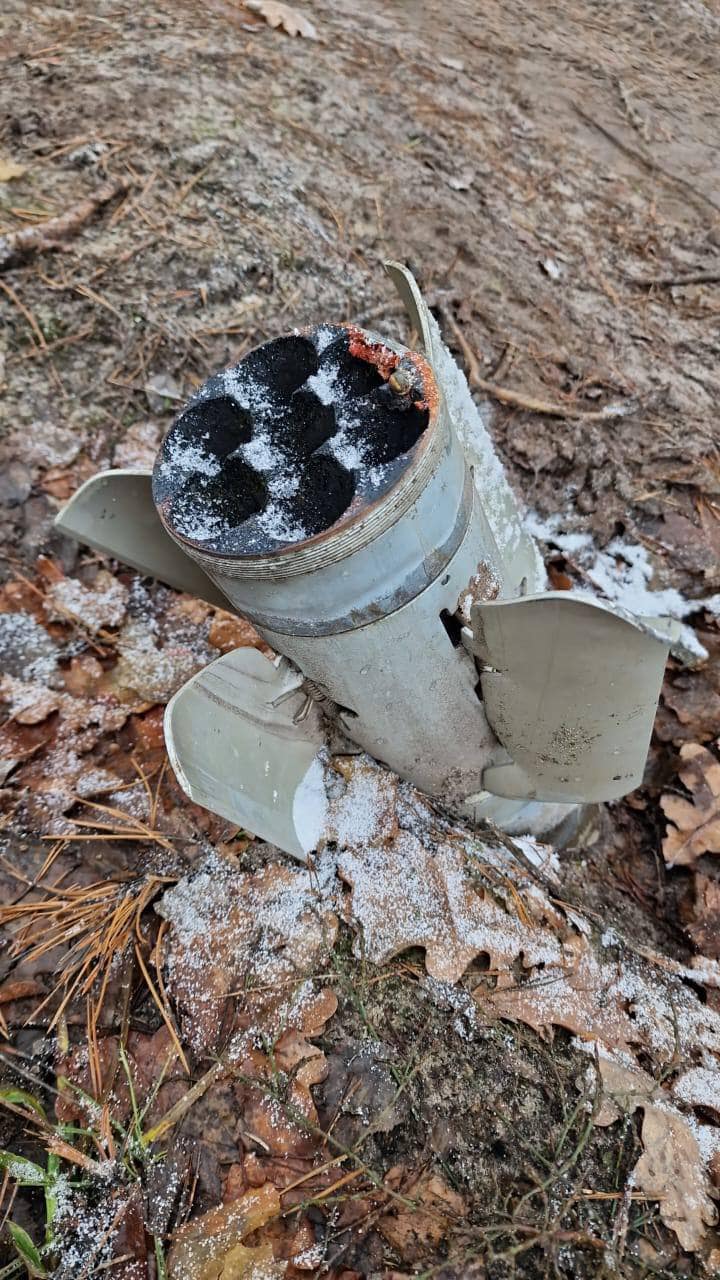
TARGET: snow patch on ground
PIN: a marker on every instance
(622, 572)
(101, 605)
(26, 648)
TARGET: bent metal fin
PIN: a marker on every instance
(241, 744)
(570, 687)
(114, 512)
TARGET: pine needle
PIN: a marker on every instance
(96, 923)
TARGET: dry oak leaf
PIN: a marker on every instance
(695, 823)
(704, 928)
(410, 1232)
(409, 895)
(275, 1126)
(101, 605)
(284, 16)
(84, 676)
(31, 705)
(30, 702)
(364, 811)
(695, 706)
(228, 631)
(62, 482)
(672, 1168)
(232, 931)
(59, 769)
(579, 994)
(207, 1247)
(10, 169)
(251, 1264)
(146, 670)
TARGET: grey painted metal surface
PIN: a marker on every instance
(515, 551)
(236, 748)
(548, 700)
(114, 513)
(570, 688)
(366, 629)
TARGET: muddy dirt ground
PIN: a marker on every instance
(551, 174)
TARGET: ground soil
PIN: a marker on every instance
(548, 171)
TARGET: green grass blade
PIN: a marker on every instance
(27, 1251)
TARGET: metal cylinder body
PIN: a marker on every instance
(364, 592)
(367, 628)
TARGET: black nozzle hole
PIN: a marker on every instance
(283, 364)
(327, 491)
(224, 502)
(313, 423)
(218, 426)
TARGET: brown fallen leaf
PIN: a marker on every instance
(582, 996)
(695, 547)
(62, 482)
(251, 1264)
(77, 712)
(417, 882)
(704, 928)
(437, 1209)
(281, 1129)
(362, 812)
(698, 1087)
(62, 768)
(695, 823)
(435, 886)
(231, 931)
(10, 169)
(206, 1248)
(691, 708)
(101, 605)
(284, 16)
(189, 609)
(672, 1168)
(20, 598)
(149, 671)
(84, 676)
(228, 631)
(409, 895)
(33, 706)
(89, 1076)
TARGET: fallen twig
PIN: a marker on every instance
(649, 165)
(67, 341)
(521, 401)
(670, 282)
(53, 234)
(27, 315)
